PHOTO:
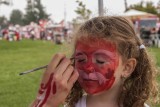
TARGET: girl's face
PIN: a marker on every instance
(96, 62)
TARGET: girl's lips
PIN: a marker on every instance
(89, 80)
(90, 84)
(93, 76)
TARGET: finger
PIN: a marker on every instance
(53, 88)
(62, 67)
(67, 74)
(51, 67)
(73, 78)
(55, 61)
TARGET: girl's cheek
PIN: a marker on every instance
(79, 66)
(109, 74)
(105, 69)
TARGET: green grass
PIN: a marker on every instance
(155, 53)
(16, 57)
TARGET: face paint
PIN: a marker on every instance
(44, 92)
(96, 64)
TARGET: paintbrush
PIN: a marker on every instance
(41, 67)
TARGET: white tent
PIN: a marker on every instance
(135, 14)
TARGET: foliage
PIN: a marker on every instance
(146, 7)
(82, 12)
(3, 22)
(35, 11)
(16, 17)
(5, 2)
(41, 10)
(3, 19)
(150, 8)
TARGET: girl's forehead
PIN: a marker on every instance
(95, 44)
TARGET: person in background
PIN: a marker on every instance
(153, 35)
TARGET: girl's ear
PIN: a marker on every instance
(129, 67)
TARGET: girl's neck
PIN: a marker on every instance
(104, 99)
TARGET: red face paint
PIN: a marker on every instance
(45, 91)
(96, 63)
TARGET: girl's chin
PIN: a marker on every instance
(93, 89)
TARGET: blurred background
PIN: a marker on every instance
(32, 31)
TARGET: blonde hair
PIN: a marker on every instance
(140, 86)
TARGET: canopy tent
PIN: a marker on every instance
(135, 14)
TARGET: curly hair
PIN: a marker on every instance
(141, 85)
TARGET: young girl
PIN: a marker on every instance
(111, 68)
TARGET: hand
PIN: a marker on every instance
(57, 81)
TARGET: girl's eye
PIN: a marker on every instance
(80, 60)
(100, 62)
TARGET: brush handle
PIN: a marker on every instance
(35, 69)
(42, 67)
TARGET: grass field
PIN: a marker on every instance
(16, 57)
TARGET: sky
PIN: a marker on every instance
(57, 8)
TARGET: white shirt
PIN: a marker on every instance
(82, 102)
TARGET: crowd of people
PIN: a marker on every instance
(150, 36)
(35, 31)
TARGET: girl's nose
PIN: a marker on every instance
(89, 68)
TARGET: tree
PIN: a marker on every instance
(30, 14)
(147, 7)
(41, 10)
(5, 2)
(3, 19)
(35, 11)
(82, 11)
(3, 22)
(150, 8)
(16, 17)
(158, 7)
(83, 14)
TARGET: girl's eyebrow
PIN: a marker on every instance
(79, 54)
